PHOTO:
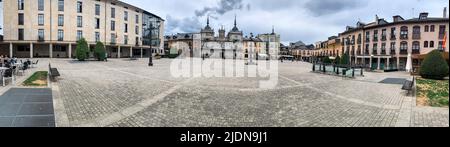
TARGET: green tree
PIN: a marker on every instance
(345, 59)
(434, 66)
(327, 60)
(100, 51)
(82, 49)
(337, 60)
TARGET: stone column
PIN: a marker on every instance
(398, 62)
(118, 52)
(50, 50)
(370, 64)
(131, 52)
(142, 53)
(388, 63)
(70, 51)
(31, 50)
(379, 63)
(10, 50)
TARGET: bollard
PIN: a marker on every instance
(314, 67)
(362, 71)
(353, 72)
(324, 69)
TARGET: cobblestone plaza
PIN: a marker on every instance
(124, 93)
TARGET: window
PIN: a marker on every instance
(113, 12)
(113, 25)
(393, 33)
(20, 18)
(416, 45)
(425, 44)
(375, 47)
(79, 7)
(432, 28)
(126, 28)
(41, 34)
(427, 28)
(40, 5)
(125, 16)
(383, 46)
(383, 34)
(79, 34)
(367, 36)
(125, 39)
(20, 34)
(431, 44)
(404, 46)
(392, 45)
(60, 5)
(441, 31)
(20, 4)
(441, 45)
(137, 19)
(41, 19)
(97, 9)
(113, 38)
(404, 32)
(137, 30)
(60, 35)
(97, 23)
(97, 36)
(416, 32)
(375, 35)
(60, 20)
(79, 21)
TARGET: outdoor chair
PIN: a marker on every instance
(35, 63)
(6, 75)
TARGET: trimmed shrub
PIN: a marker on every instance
(337, 60)
(327, 60)
(434, 66)
(345, 59)
(100, 51)
(82, 49)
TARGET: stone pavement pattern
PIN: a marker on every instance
(123, 93)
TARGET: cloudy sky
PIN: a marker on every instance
(306, 20)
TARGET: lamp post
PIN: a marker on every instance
(150, 37)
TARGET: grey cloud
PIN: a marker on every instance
(325, 7)
(192, 24)
(188, 24)
(223, 7)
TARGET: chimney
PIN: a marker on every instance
(376, 19)
(445, 12)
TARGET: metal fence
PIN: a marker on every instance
(338, 70)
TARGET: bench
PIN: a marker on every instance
(408, 85)
(53, 72)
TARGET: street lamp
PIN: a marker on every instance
(149, 36)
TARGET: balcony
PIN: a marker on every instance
(416, 51)
(393, 52)
(416, 36)
(375, 39)
(383, 52)
(393, 37)
(383, 38)
(404, 37)
(374, 52)
(40, 39)
(441, 35)
(403, 52)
